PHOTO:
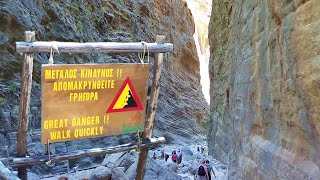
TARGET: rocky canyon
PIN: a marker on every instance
(265, 88)
(261, 56)
(181, 106)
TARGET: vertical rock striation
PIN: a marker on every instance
(265, 88)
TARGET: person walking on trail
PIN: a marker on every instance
(202, 172)
(179, 156)
(174, 156)
(210, 168)
(164, 156)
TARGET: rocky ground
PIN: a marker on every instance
(123, 165)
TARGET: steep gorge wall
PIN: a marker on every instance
(201, 11)
(265, 88)
(101, 20)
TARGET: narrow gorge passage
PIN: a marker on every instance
(241, 88)
(265, 90)
(183, 108)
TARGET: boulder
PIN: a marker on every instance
(183, 170)
(150, 175)
(36, 148)
(101, 173)
(172, 166)
(165, 173)
(112, 160)
(118, 174)
(60, 147)
(33, 176)
(131, 171)
(63, 178)
(36, 136)
(3, 38)
(30, 175)
(5, 121)
(186, 152)
(193, 171)
(3, 146)
(83, 162)
(128, 159)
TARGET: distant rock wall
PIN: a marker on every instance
(181, 102)
(99, 20)
(201, 11)
(265, 88)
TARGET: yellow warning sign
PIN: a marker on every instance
(126, 99)
(75, 99)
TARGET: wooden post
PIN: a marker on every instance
(26, 84)
(151, 111)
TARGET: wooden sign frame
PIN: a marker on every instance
(30, 46)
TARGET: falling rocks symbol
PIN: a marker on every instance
(126, 99)
(131, 102)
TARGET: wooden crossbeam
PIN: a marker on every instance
(34, 160)
(92, 47)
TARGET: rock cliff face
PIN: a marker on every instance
(201, 11)
(265, 88)
(103, 20)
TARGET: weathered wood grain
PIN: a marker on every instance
(151, 111)
(155, 89)
(29, 161)
(92, 47)
(26, 84)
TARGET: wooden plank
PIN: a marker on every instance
(92, 47)
(5, 173)
(88, 98)
(84, 153)
(26, 84)
(151, 111)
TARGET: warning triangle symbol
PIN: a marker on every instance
(126, 99)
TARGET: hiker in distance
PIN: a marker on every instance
(174, 156)
(164, 155)
(179, 156)
(202, 149)
(202, 172)
(210, 168)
